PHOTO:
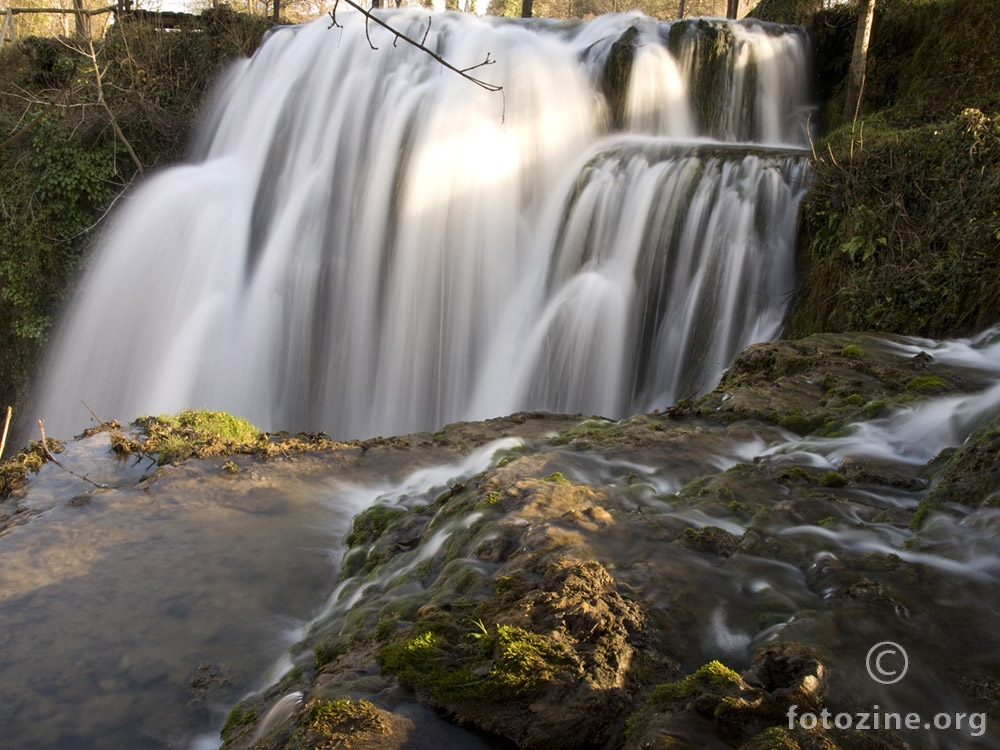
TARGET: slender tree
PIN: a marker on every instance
(82, 20)
(732, 8)
(859, 59)
(526, 8)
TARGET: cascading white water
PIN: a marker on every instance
(368, 243)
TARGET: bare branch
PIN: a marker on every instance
(57, 462)
(368, 35)
(487, 61)
(430, 19)
(6, 427)
(27, 128)
(369, 16)
(111, 115)
(100, 422)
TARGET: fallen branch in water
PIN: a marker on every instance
(57, 462)
(464, 72)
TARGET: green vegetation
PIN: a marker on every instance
(420, 661)
(523, 659)
(900, 230)
(832, 479)
(372, 523)
(508, 661)
(712, 677)
(62, 165)
(238, 717)
(339, 723)
(14, 470)
(175, 437)
(927, 384)
(904, 235)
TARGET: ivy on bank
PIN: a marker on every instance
(62, 166)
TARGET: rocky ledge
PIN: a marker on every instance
(683, 579)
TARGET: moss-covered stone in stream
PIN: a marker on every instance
(716, 702)
(589, 433)
(542, 649)
(970, 476)
(821, 385)
(194, 433)
(372, 523)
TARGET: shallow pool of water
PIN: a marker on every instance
(138, 616)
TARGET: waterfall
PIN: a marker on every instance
(364, 242)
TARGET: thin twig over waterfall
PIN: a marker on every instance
(464, 72)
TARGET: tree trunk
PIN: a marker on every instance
(859, 60)
(277, 11)
(680, 10)
(82, 20)
(732, 8)
(526, 8)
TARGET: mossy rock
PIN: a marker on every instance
(193, 433)
(715, 703)
(711, 540)
(971, 476)
(372, 523)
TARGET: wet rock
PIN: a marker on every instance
(970, 476)
(711, 540)
(204, 685)
(874, 592)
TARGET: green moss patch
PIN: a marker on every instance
(970, 476)
(193, 433)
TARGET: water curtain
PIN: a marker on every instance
(365, 243)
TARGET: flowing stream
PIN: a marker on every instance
(367, 243)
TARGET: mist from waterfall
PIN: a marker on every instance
(366, 243)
